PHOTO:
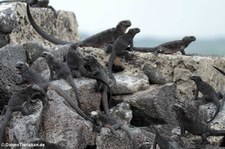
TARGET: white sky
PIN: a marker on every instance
(155, 18)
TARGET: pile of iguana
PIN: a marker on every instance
(119, 43)
(90, 65)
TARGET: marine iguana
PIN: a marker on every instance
(4, 39)
(97, 72)
(61, 70)
(31, 77)
(107, 36)
(194, 127)
(98, 40)
(164, 142)
(119, 48)
(208, 92)
(18, 102)
(103, 120)
(169, 47)
(75, 61)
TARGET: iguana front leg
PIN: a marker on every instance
(51, 74)
(113, 131)
(94, 73)
(109, 48)
(4, 109)
(182, 52)
(182, 131)
(204, 138)
(196, 91)
(24, 108)
(154, 145)
(131, 45)
(20, 80)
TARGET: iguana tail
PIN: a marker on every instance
(110, 63)
(217, 111)
(130, 135)
(144, 49)
(104, 94)
(105, 100)
(217, 132)
(73, 85)
(4, 123)
(42, 32)
(221, 71)
(219, 106)
(105, 83)
(70, 102)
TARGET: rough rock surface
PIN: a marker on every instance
(148, 86)
(63, 26)
(66, 127)
(89, 99)
(153, 103)
(8, 79)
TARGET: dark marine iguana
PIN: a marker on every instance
(107, 36)
(169, 47)
(18, 102)
(97, 72)
(119, 48)
(103, 120)
(164, 142)
(75, 61)
(30, 76)
(4, 39)
(208, 92)
(61, 70)
(98, 40)
(194, 127)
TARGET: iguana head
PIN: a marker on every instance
(90, 59)
(134, 31)
(123, 25)
(178, 109)
(35, 87)
(188, 39)
(196, 78)
(74, 46)
(47, 55)
(21, 66)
